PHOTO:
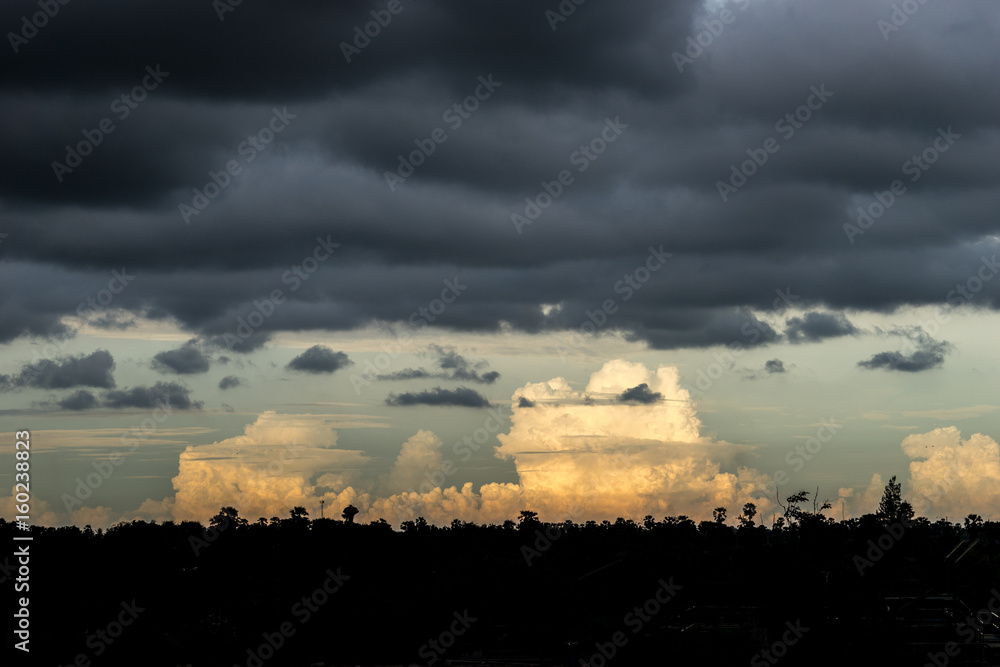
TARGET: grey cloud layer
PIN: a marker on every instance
(93, 370)
(159, 395)
(656, 184)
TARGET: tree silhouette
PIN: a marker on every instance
(527, 518)
(792, 511)
(227, 516)
(892, 507)
(349, 512)
(835, 580)
(298, 517)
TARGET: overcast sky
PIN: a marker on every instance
(667, 239)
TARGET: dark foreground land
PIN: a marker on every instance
(880, 590)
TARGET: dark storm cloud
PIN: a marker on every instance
(461, 397)
(185, 360)
(775, 366)
(815, 326)
(656, 183)
(302, 57)
(92, 370)
(319, 359)
(640, 394)
(921, 353)
(169, 393)
(454, 367)
(229, 382)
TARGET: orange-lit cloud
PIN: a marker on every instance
(627, 444)
(579, 455)
(281, 461)
(953, 477)
(590, 455)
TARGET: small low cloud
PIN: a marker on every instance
(407, 374)
(175, 395)
(185, 360)
(461, 397)
(816, 326)
(775, 366)
(525, 403)
(229, 382)
(453, 367)
(640, 394)
(923, 353)
(92, 370)
(319, 359)
(114, 321)
(80, 400)
(232, 343)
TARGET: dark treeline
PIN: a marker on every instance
(883, 589)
